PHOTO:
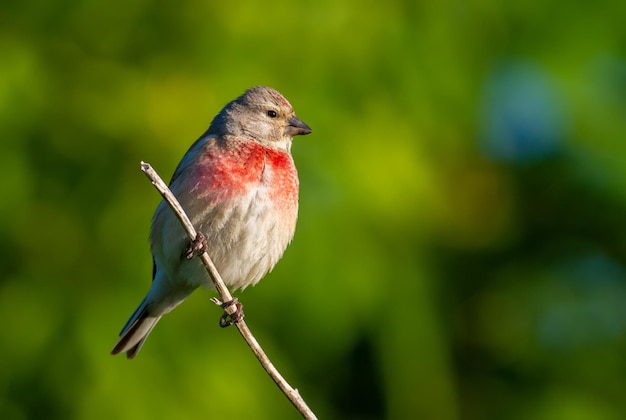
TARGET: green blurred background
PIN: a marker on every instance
(461, 247)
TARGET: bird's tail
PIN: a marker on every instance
(135, 331)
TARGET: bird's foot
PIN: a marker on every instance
(233, 311)
(196, 247)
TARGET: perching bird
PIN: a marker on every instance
(239, 186)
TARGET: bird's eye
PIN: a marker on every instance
(271, 113)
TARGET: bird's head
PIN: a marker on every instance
(262, 114)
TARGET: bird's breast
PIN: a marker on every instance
(246, 204)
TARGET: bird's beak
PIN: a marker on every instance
(297, 127)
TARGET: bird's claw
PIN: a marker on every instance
(230, 315)
(196, 247)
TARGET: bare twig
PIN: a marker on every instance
(291, 393)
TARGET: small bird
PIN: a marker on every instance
(239, 186)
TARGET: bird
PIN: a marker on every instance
(239, 186)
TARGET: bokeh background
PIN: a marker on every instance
(461, 248)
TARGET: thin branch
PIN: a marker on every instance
(291, 393)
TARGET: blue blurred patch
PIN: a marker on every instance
(522, 118)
